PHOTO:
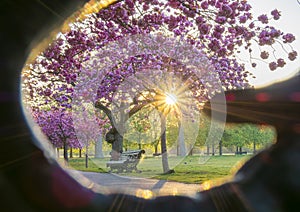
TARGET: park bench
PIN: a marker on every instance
(241, 153)
(156, 154)
(128, 161)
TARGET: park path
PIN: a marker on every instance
(110, 183)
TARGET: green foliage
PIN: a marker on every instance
(172, 130)
(216, 168)
(205, 128)
(203, 131)
(142, 130)
(235, 135)
(245, 134)
(79, 164)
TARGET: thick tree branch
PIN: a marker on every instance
(107, 111)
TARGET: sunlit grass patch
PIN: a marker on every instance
(190, 169)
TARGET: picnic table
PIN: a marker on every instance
(128, 161)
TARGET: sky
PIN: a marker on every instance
(289, 22)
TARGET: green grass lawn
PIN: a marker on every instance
(190, 169)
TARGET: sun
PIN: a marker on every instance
(171, 99)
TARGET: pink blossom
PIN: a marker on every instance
(272, 66)
(243, 19)
(276, 14)
(226, 10)
(221, 19)
(280, 62)
(292, 55)
(264, 55)
(263, 19)
(220, 36)
(204, 5)
(204, 29)
(288, 38)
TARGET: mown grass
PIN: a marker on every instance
(190, 169)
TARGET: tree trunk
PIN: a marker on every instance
(181, 144)
(116, 139)
(221, 148)
(66, 152)
(213, 149)
(139, 143)
(80, 153)
(86, 157)
(241, 150)
(117, 147)
(191, 151)
(71, 152)
(98, 147)
(57, 152)
(156, 148)
(207, 149)
(113, 136)
(254, 147)
(163, 144)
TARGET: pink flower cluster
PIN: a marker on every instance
(217, 27)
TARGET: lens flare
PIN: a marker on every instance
(171, 99)
(146, 194)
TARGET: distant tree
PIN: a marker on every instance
(154, 130)
(172, 132)
(181, 139)
(203, 130)
(240, 135)
(258, 135)
(104, 126)
(57, 125)
(87, 126)
(208, 134)
(234, 136)
(139, 127)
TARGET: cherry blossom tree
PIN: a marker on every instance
(57, 125)
(86, 126)
(219, 29)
